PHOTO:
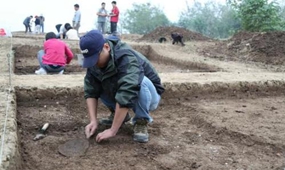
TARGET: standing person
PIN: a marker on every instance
(27, 24)
(77, 18)
(54, 57)
(114, 17)
(37, 24)
(123, 79)
(42, 20)
(102, 15)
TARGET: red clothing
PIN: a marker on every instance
(116, 12)
(56, 53)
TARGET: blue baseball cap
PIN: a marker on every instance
(91, 45)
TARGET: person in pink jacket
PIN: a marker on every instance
(54, 57)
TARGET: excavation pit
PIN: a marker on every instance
(232, 130)
(26, 62)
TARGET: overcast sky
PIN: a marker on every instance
(62, 11)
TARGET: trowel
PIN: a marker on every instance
(41, 133)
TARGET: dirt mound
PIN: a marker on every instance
(241, 37)
(166, 32)
(267, 48)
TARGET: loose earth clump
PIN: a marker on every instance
(263, 47)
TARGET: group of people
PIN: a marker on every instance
(66, 31)
(122, 78)
(37, 20)
(103, 15)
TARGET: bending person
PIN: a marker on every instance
(71, 33)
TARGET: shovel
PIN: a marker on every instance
(41, 133)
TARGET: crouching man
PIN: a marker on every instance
(177, 38)
(122, 79)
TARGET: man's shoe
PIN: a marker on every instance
(109, 120)
(61, 72)
(140, 131)
(41, 71)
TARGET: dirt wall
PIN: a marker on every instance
(11, 159)
(174, 92)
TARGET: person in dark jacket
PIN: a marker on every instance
(122, 79)
(37, 25)
(57, 26)
(27, 23)
(162, 40)
(176, 37)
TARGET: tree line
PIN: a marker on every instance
(211, 19)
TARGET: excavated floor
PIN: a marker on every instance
(213, 114)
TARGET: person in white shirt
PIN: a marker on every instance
(102, 15)
(61, 28)
(76, 18)
(71, 33)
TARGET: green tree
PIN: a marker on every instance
(228, 22)
(258, 15)
(283, 14)
(144, 18)
(211, 19)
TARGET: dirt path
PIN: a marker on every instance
(188, 53)
(201, 78)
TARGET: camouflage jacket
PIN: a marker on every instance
(121, 78)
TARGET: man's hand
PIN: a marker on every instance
(119, 117)
(90, 129)
(105, 135)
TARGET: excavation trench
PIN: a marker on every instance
(26, 61)
(204, 128)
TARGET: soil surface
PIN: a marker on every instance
(222, 108)
(207, 133)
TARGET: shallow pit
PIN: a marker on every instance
(238, 131)
(26, 61)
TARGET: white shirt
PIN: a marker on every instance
(77, 17)
(62, 29)
(72, 34)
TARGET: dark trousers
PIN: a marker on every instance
(28, 27)
(43, 27)
(58, 27)
(48, 68)
(113, 27)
